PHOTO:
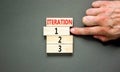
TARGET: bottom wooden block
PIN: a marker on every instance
(59, 48)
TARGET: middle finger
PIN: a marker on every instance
(94, 11)
(96, 20)
(99, 11)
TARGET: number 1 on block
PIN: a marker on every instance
(56, 31)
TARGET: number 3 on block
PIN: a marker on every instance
(60, 48)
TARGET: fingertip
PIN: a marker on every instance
(95, 4)
(83, 19)
(89, 11)
(98, 4)
(89, 20)
(76, 31)
(72, 30)
(96, 37)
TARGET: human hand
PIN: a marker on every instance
(102, 21)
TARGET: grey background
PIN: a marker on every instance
(22, 44)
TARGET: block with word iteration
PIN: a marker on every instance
(59, 22)
(58, 38)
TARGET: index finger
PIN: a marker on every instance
(90, 31)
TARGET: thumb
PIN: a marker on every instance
(101, 37)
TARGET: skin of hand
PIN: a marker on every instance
(102, 21)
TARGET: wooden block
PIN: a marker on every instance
(59, 48)
(56, 31)
(59, 39)
(59, 22)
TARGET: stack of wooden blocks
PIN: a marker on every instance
(58, 38)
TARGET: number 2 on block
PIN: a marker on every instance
(56, 31)
(60, 38)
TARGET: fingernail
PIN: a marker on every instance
(72, 30)
(88, 11)
(96, 3)
(88, 19)
(95, 36)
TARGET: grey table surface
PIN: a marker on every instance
(22, 44)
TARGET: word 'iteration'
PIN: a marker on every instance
(59, 22)
(58, 38)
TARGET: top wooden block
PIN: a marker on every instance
(59, 22)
